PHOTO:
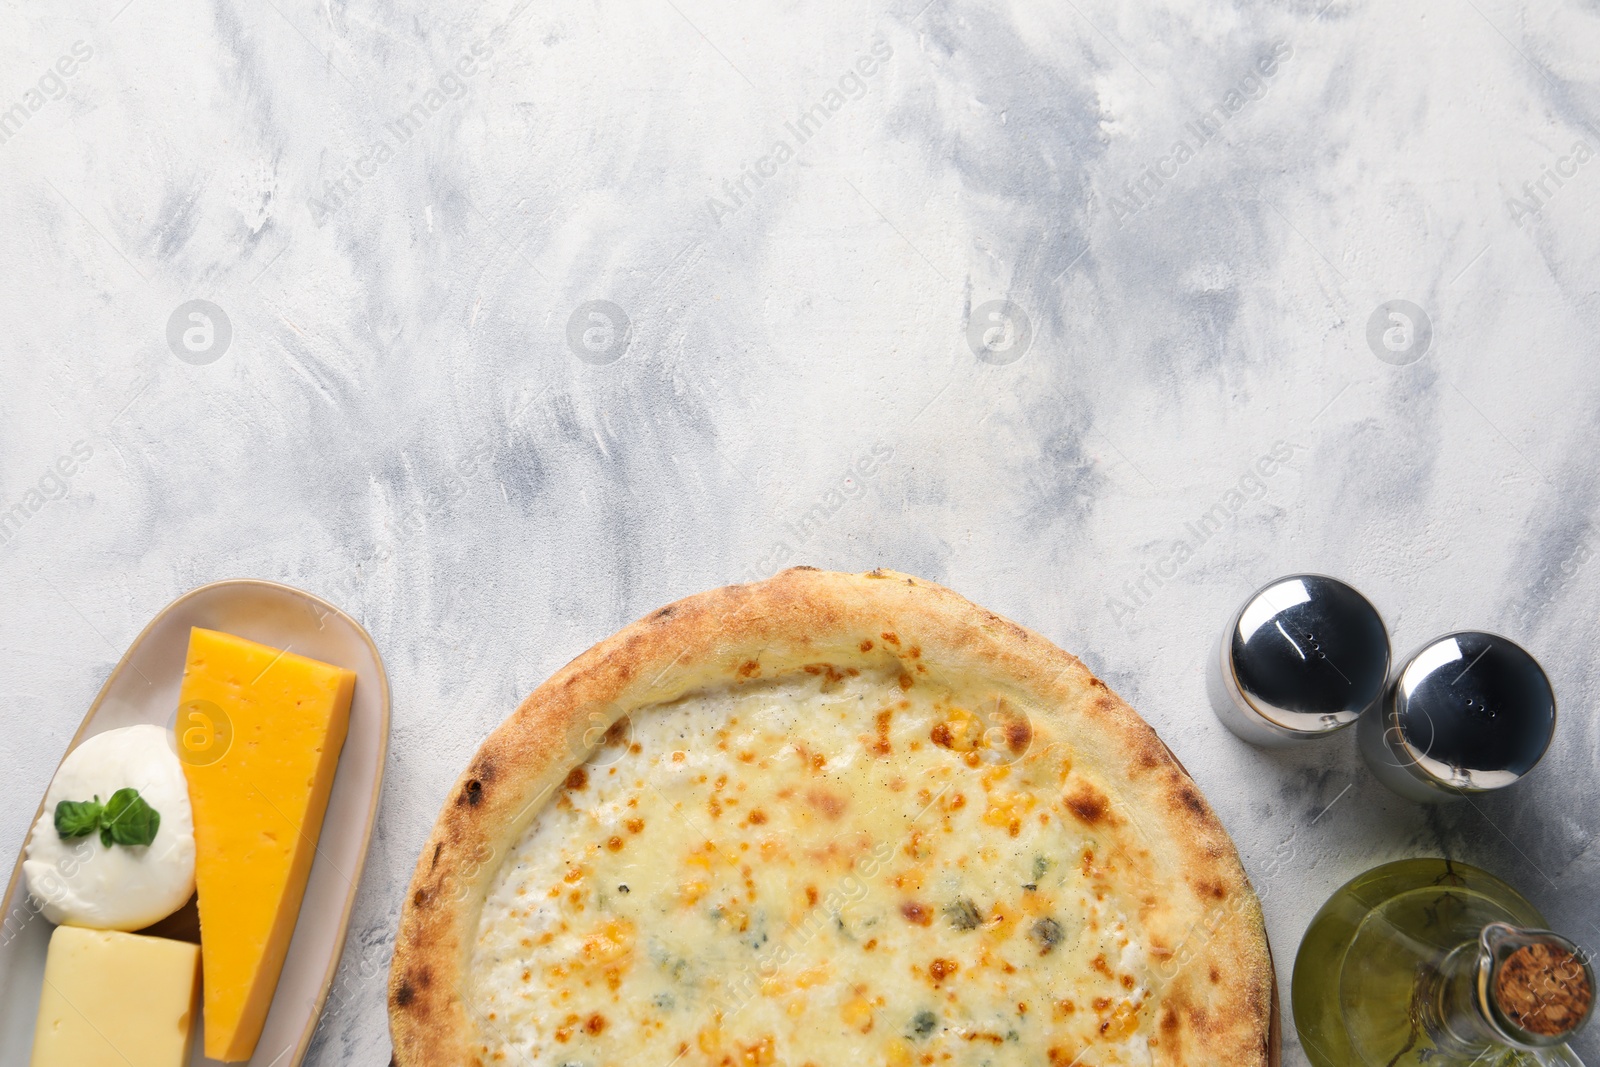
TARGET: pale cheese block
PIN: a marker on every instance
(112, 999)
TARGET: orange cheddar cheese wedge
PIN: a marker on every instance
(259, 732)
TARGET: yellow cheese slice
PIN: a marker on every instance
(115, 1000)
(259, 732)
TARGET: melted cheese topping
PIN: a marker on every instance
(828, 868)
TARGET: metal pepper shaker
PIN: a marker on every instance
(1467, 713)
(1303, 657)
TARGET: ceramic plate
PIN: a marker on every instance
(144, 689)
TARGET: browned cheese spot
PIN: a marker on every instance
(828, 804)
(881, 746)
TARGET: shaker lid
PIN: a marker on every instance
(1309, 653)
(1471, 711)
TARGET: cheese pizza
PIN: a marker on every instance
(828, 819)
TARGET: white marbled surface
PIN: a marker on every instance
(397, 419)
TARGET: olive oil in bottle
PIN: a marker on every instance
(1433, 962)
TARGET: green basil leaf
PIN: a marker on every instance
(77, 818)
(128, 820)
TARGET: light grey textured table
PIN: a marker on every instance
(931, 289)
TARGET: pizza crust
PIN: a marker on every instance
(1214, 1007)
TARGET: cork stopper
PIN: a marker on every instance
(1544, 987)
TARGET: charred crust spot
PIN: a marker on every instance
(665, 613)
(1098, 684)
(435, 861)
(866, 644)
(1169, 1021)
(404, 994)
(1215, 976)
(1088, 804)
(472, 794)
(419, 899)
(1191, 800)
(1214, 890)
(577, 778)
(1019, 732)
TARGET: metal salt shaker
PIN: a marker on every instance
(1469, 712)
(1305, 656)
